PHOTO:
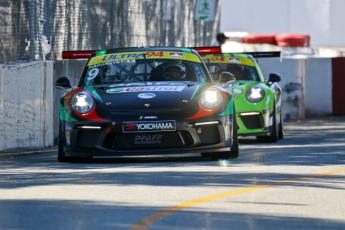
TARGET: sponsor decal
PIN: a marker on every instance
(147, 117)
(146, 95)
(176, 55)
(115, 90)
(113, 58)
(217, 58)
(149, 126)
(149, 54)
(102, 64)
(68, 128)
(142, 84)
(146, 88)
(147, 139)
(236, 60)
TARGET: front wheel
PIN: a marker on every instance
(62, 148)
(61, 145)
(234, 148)
(281, 127)
(273, 137)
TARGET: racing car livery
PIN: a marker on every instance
(258, 102)
(146, 101)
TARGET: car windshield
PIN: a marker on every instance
(129, 67)
(241, 72)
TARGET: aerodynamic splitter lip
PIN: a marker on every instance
(88, 127)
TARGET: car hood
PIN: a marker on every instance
(152, 95)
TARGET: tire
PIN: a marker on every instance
(234, 152)
(273, 137)
(281, 127)
(61, 145)
(62, 149)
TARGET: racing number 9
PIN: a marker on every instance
(92, 74)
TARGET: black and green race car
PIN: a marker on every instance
(146, 101)
(258, 101)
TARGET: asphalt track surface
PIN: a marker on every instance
(296, 183)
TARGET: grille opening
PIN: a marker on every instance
(87, 138)
(253, 121)
(148, 140)
(208, 134)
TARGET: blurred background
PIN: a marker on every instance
(28, 27)
(42, 29)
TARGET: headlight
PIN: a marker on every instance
(211, 98)
(82, 102)
(255, 94)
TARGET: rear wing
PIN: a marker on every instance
(265, 54)
(201, 50)
(85, 54)
(218, 50)
(77, 54)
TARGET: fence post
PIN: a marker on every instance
(33, 17)
(36, 29)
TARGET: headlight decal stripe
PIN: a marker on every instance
(197, 90)
(202, 113)
(229, 109)
(92, 115)
(64, 116)
(94, 92)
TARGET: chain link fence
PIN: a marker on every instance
(41, 29)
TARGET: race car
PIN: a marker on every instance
(145, 101)
(258, 101)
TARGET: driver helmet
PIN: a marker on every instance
(174, 70)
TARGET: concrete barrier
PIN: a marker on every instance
(292, 74)
(26, 105)
(318, 87)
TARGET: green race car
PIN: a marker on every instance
(258, 102)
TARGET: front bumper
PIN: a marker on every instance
(109, 139)
(254, 122)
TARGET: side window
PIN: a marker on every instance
(200, 75)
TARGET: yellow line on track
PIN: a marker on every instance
(149, 220)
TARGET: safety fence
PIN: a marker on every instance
(41, 29)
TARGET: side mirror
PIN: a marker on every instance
(63, 83)
(226, 77)
(273, 77)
